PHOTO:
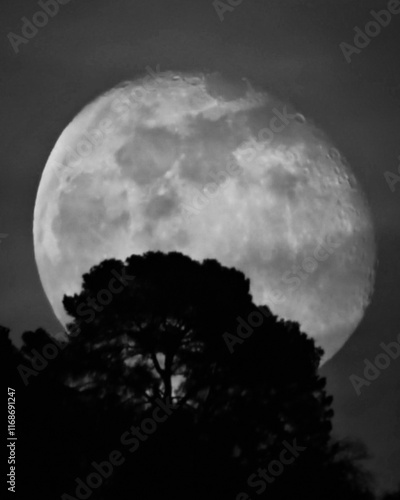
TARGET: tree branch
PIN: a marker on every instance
(156, 364)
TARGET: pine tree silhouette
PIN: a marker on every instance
(153, 329)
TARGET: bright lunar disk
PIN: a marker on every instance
(195, 164)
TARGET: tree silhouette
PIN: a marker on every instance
(166, 321)
(162, 337)
(155, 329)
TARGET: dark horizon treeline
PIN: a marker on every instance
(222, 417)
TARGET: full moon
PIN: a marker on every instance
(212, 169)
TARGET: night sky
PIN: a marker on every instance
(289, 47)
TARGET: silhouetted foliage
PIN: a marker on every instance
(392, 496)
(159, 336)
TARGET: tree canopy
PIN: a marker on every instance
(154, 328)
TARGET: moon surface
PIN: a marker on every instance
(213, 169)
